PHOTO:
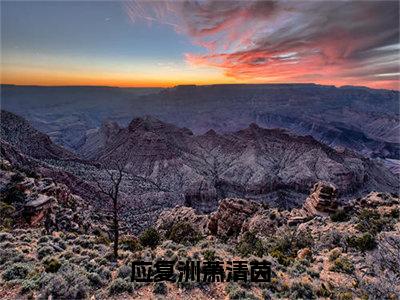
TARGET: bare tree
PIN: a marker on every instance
(115, 171)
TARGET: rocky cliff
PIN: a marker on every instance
(250, 163)
(19, 133)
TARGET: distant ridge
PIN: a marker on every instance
(241, 85)
(359, 118)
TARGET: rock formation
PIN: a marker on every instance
(182, 214)
(228, 220)
(41, 200)
(232, 218)
(249, 163)
(20, 134)
(322, 201)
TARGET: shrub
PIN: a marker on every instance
(70, 236)
(84, 241)
(119, 286)
(17, 178)
(333, 239)
(101, 261)
(44, 239)
(182, 254)
(77, 249)
(302, 240)
(100, 248)
(150, 238)
(89, 265)
(6, 224)
(62, 244)
(16, 271)
(6, 255)
(323, 292)
(183, 232)
(6, 245)
(67, 255)
(340, 215)
(103, 240)
(170, 245)
(312, 273)
(370, 220)
(29, 285)
(26, 238)
(103, 272)
(300, 290)
(129, 243)
(124, 272)
(29, 172)
(281, 258)
(45, 251)
(160, 288)
(51, 264)
(334, 254)
(342, 264)
(4, 236)
(69, 282)
(344, 296)
(91, 253)
(5, 165)
(286, 244)
(169, 253)
(394, 213)
(290, 242)
(190, 285)
(6, 211)
(299, 267)
(11, 194)
(95, 280)
(209, 255)
(363, 243)
(250, 244)
(235, 293)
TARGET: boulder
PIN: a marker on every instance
(375, 199)
(228, 220)
(36, 207)
(181, 214)
(265, 222)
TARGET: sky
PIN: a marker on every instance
(155, 43)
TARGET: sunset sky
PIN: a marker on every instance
(118, 43)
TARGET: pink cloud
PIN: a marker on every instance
(331, 42)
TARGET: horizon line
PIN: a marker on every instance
(199, 85)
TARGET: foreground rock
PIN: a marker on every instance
(35, 201)
(350, 258)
